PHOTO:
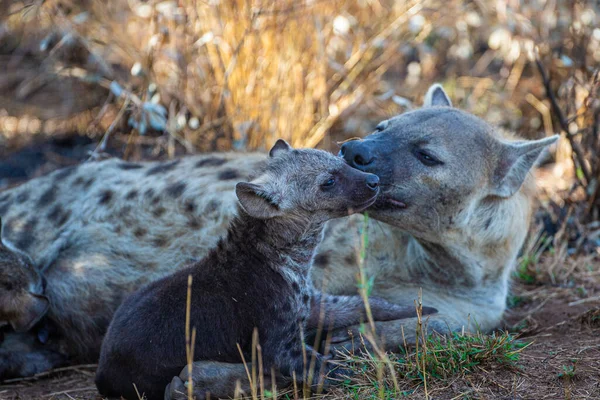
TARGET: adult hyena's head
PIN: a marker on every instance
(22, 300)
(438, 165)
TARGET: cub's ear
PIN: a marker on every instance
(256, 201)
(436, 96)
(513, 165)
(279, 147)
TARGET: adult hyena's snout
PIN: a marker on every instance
(358, 154)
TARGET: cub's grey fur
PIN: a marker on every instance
(256, 277)
(105, 228)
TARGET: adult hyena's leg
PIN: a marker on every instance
(332, 312)
(393, 335)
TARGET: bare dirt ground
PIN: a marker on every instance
(560, 317)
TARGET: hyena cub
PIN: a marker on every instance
(256, 277)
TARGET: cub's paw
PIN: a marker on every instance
(176, 390)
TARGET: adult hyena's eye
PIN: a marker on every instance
(328, 183)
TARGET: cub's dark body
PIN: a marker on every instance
(236, 288)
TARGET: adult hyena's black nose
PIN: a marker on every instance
(357, 154)
(372, 182)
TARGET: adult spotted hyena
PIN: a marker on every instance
(453, 214)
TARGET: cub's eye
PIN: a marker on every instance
(329, 183)
(427, 159)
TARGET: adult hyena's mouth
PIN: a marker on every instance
(388, 202)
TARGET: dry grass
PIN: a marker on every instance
(238, 74)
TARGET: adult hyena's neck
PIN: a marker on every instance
(477, 256)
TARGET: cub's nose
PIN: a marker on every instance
(357, 154)
(372, 181)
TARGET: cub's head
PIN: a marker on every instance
(22, 300)
(307, 184)
(438, 164)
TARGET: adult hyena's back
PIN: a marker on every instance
(131, 199)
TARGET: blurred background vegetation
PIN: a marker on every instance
(152, 79)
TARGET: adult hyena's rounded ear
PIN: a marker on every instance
(436, 96)
(514, 162)
(32, 308)
(256, 201)
(279, 147)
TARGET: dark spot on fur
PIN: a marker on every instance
(23, 196)
(194, 223)
(160, 241)
(125, 212)
(58, 215)
(155, 200)
(335, 300)
(128, 165)
(55, 213)
(88, 183)
(162, 168)
(321, 260)
(139, 232)
(63, 218)
(190, 206)
(488, 223)
(228, 174)
(4, 197)
(176, 189)
(212, 206)
(132, 194)
(295, 286)
(47, 197)
(158, 212)
(26, 238)
(63, 173)
(78, 181)
(305, 299)
(211, 162)
(105, 196)
(118, 229)
(350, 259)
